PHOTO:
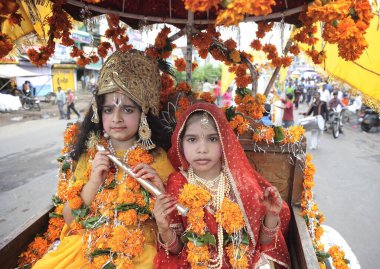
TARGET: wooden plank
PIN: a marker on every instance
(301, 246)
(13, 245)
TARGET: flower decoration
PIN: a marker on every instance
(162, 47)
(199, 241)
(5, 45)
(180, 64)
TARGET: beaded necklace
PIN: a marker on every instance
(125, 159)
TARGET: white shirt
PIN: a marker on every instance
(207, 87)
(325, 95)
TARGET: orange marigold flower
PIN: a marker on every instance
(230, 217)
(76, 202)
(230, 44)
(193, 196)
(207, 97)
(180, 64)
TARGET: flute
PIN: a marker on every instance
(144, 183)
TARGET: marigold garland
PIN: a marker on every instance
(314, 218)
(231, 219)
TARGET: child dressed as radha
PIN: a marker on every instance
(236, 219)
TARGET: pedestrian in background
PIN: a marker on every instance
(61, 101)
(288, 117)
(216, 92)
(70, 104)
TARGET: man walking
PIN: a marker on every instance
(61, 100)
(70, 104)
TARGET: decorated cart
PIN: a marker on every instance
(278, 154)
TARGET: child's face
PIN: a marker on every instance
(202, 147)
(121, 117)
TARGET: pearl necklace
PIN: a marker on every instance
(217, 200)
(125, 159)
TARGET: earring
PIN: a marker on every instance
(105, 135)
(95, 116)
(145, 134)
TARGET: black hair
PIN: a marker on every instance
(267, 110)
(289, 95)
(159, 138)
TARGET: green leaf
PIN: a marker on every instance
(65, 166)
(99, 252)
(109, 265)
(60, 159)
(94, 222)
(56, 200)
(126, 207)
(230, 113)
(206, 239)
(243, 92)
(112, 185)
(278, 134)
(55, 215)
(209, 239)
(80, 213)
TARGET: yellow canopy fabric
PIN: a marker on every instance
(363, 74)
(27, 26)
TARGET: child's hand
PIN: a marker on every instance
(100, 167)
(145, 171)
(272, 201)
(165, 204)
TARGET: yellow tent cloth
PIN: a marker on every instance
(29, 24)
(363, 74)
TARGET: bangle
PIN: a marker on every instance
(170, 244)
(270, 232)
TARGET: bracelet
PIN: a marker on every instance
(270, 232)
(170, 244)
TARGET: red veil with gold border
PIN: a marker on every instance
(247, 189)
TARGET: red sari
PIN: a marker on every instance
(247, 190)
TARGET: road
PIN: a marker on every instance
(28, 169)
(347, 180)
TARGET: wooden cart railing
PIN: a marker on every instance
(277, 164)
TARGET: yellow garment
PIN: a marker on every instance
(69, 254)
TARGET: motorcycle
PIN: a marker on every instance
(335, 121)
(369, 119)
(29, 102)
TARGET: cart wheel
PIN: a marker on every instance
(335, 130)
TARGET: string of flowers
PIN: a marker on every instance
(197, 237)
(314, 218)
(38, 247)
(162, 47)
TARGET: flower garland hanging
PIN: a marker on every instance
(314, 218)
(199, 240)
(162, 47)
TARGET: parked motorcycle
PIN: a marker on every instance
(29, 102)
(368, 119)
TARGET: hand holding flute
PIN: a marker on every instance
(145, 183)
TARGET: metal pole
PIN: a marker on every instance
(189, 48)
